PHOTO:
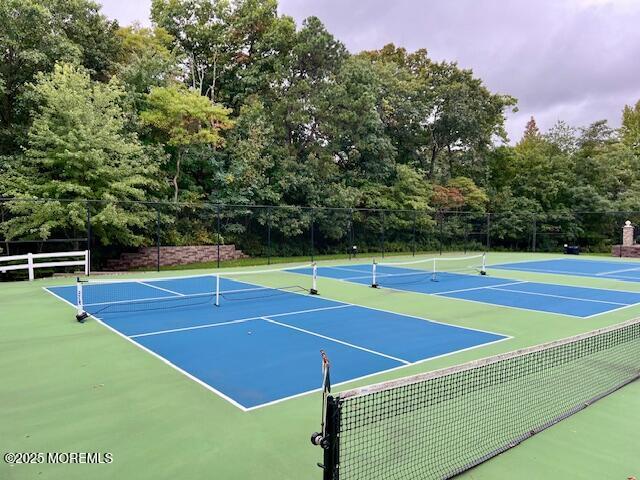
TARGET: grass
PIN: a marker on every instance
(69, 387)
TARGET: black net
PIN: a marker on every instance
(439, 424)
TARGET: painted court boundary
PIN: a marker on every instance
(498, 288)
(307, 392)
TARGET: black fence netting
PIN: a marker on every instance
(145, 235)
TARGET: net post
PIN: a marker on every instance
(81, 315)
(433, 271)
(217, 290)
(314, 279)
(374, 282)
(483, 268)
(331, 447)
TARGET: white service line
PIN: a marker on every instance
(480, 288)
(309, 332)
(560, 296)
(347, 269)
(160, 288)
(241, 320)
(613, 272)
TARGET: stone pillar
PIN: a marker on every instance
(627, 234)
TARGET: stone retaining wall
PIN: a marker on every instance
(627, 251)
(147, 257)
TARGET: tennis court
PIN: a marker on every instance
(218, 368)
(255, 345)
(461, 280)
(625, 271)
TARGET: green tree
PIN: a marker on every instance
(34, 35)
(184, 119)
(630, 129)
(78, 149)
(146, 61)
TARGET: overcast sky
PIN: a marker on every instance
(574, 60)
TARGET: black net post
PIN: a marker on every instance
(382, 233)
(441, 230)
(488, 232)
(350, 234)
(268, 235)
(158, 238)
(533, 234)
(218, 236)
(311, 222)
(88, 204)
(413, 233)
(331, 458)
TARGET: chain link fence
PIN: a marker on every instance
(154, 235)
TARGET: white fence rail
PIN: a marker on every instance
(33, 261)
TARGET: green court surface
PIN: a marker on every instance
(70, 387)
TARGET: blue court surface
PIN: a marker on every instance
(552, 298)
(261, 345)
(625, 271)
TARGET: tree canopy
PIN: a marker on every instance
(228, 101)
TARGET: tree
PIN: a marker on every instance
(78, 149)
(34, 35)
(146, 61)
(184, 119)
(630, 129)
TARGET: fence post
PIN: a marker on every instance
(533, 237)
(268, 235)
(488, 232)
(441, 229)
(350, 233)
(383, 219)
(30, 265)
(88, 237)
(413, 241)
(218, 235)
(312, 239)
(157, 237)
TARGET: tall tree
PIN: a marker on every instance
(184, 119)
(34, 35)
(78, 149)
(630, 129)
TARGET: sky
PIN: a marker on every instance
(571, 60)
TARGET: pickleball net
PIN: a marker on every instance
(392, 274)
(94, 297)
(439, 424)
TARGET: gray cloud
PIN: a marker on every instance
(575, 60)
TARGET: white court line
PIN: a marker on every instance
(346, 269)
(344, 304)
(309, 332)
(381, 372)
(611, 311)
(479, 302)
(613, 272)
(158, 356)
(160, 288)
(212, 325)
(559, 296)
(480, 288)
(140, 300)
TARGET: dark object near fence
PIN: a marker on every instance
(571, 250)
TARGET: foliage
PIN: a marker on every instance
(228, 101)
(78, 149)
